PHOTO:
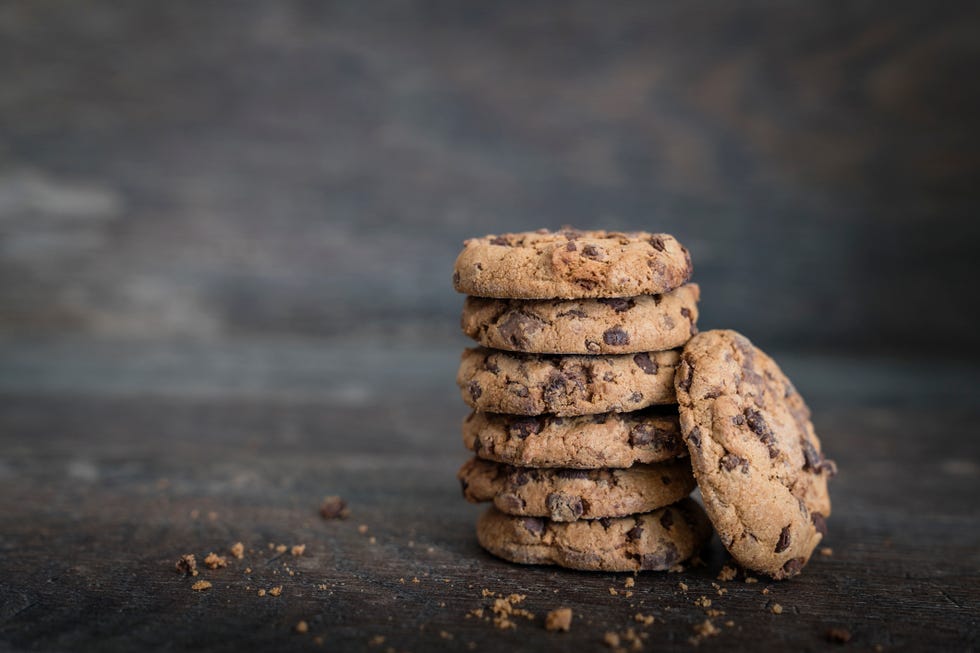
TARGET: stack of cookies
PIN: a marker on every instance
(575, 426)
(597, 410)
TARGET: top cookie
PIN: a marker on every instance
(754, 453)
(571, 264)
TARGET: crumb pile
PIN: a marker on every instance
(598, 408)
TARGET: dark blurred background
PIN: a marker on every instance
(217, 172)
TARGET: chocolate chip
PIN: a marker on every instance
(519, 479)
(814, 461)
(616, 337)
(666, 480)
(456, 278)
(592, 345)
(600, 418)
(657, 243)
(686, 312)
(555, 388)
(738, 420)
(475, 390)
(523, 427)
(572, 473)
(605, 522)
(608, 376)
(510, 503)
(642, 435)
(664, 560)
(564, 507)
(793, 566)
(838, 635)
(570, 246)
(573, 312)
(667, 519)
(636, 397)
(694, 437)
(516, 388)
(491, 366)
(634, 533)
(591, 251)
(499, 240)
(645, 363)
(619, 304)
(730, 461)
(516, 328)
(819, 522)
(784, 540)
(687, 374)
(533, 525)
(757, 423)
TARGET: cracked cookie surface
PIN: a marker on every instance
(615, 325)
(534, 384)
(655, 540)
(564, 495)
(584, 442)
(754, 452)
(571, 264)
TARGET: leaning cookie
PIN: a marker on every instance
(616, 325)
(570, 494)
(655, 540)
(571, 264)
(586, 442)
(755, 455)
(533, 384)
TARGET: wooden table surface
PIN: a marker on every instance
(133, 455)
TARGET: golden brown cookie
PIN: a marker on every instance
(755, 455)
(655, 540)
(571, 494)
(616, 325)
(533, 384)
(571, 264)
(587, 442)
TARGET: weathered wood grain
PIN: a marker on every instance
(102, 489)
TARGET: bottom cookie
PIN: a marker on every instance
(650, 541)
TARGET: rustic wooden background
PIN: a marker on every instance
(226, 239)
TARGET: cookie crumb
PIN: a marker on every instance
(372, 540)
(475, 612)
(682, 586)
(645, 619)
(839, 635)
(318, 640)
(629, 582)
(281, 548)
(276, 591)
(486, 593)
(826, 551)
(445, 634)
(714, 612)
(703, 602)
(362, 529)
(612, 591)
(559, 619)
(727, 573)
(333, 507)
(187, 565)
(415, 579)
(201, 585)
(298, 549)
(730, 623)
(301, 627)
(751, 579)
(377, 640)
(765, 590)
(704, 630)
(237, 550)
(261, 592)
(611, 639)
(776, 608)
(214, 561)
(248, 570)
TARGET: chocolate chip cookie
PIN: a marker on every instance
(754, 452)
(571, 494)
(533, 384)
(655, 540)
(616, 325)
(588, 442)
(571, 264)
